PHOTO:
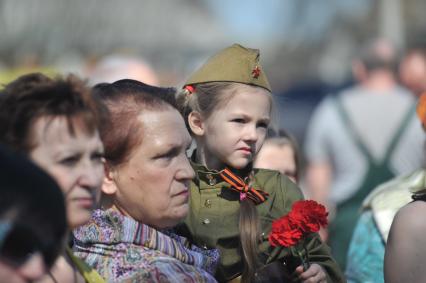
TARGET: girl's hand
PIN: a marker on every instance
(314, 274)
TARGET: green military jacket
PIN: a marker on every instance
(213, 221)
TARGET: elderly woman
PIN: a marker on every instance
(144, 193)
(55, 123)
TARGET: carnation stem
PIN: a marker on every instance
(306, 263)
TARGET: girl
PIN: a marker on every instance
(227, 107)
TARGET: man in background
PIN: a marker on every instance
(360, 138)
(412, 70)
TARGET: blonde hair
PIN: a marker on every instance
(205, 98)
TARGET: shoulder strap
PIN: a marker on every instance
(357, 138)
(408, 116)
(351, 129)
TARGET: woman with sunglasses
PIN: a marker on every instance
(55, 123)
(32, 225)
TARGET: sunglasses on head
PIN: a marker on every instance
(18, 243)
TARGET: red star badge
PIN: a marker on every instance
(256, 72)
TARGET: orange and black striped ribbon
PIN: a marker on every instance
(257, 196)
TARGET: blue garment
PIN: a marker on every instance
(366, 252)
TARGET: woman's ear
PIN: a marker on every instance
(108, 186)
(196, 124)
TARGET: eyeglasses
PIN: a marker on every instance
(17, 243)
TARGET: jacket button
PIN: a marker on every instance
(206, 221)
(212, 180)
(208, 203)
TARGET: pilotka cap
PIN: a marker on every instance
(233, 64)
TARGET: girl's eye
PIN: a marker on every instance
(238, 120)
(70, 160)
(263, 125)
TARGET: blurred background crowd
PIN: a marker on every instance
(307, 45)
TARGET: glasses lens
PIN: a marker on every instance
(19, 245)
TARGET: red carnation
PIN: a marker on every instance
(309, 215)
(305, 217)
(284, 233)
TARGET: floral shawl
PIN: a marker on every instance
(124, 250)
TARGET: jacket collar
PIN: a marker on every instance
(202, 173)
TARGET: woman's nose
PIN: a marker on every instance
(91, 176)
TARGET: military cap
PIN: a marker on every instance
(233, 64)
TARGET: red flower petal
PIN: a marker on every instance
(306, 216)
